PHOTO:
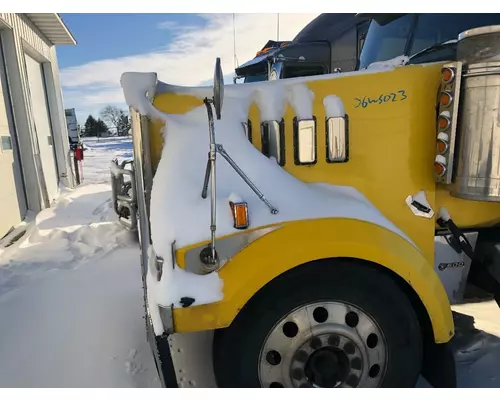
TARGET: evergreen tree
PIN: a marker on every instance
(101, 127)
(89, 128)
(123, 124)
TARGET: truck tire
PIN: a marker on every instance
(348, 324)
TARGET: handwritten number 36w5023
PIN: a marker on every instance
(383, 98)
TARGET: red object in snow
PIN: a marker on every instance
(79, 153)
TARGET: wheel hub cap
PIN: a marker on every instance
(327, 344)
(327, 367)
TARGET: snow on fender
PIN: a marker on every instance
(178, 213)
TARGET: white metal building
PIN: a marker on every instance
(34, 149)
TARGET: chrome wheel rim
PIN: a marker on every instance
(324, 344)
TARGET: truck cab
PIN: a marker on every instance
(423, 38)
(315, 231)
(329, 43)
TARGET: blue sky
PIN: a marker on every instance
(101, 36)
(181, 48)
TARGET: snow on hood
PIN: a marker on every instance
(393, 62)
(178, 212)
(333, 106)
(139, 87)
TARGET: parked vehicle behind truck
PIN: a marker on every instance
(73, 126)
(317, 230)
(329, 43)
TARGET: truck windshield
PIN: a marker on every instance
(412, 33)
(255, 78)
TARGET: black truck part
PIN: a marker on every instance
(329, 43)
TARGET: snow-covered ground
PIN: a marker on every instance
(71, 306)
(71, 297)
(98, 155)
(479, 356)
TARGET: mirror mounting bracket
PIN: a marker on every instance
(209, 255)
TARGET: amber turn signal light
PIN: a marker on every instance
(439, 168)
(446, 99)
(240, 215)
(447, 74)
(442, 146)
(444, 122)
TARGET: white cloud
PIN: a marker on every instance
(168, 25)
(188, 60)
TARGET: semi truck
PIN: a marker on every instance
(315, 231)
(329, 43)
(73, 126)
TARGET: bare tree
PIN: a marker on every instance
(111, 115)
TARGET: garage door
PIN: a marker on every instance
(12, 201)
(43, 129)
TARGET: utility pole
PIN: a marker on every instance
(278, 28)
(235, 59)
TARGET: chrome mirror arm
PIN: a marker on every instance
(211, 258)
(260, 195)
(210, 170)
(209, 255)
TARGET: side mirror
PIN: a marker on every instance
(218, 88)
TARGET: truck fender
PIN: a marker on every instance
(299, 242)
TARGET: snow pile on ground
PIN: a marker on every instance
(71, 299)
(80, 225)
